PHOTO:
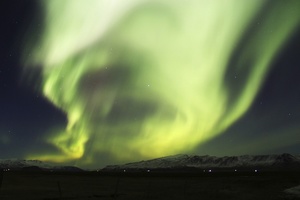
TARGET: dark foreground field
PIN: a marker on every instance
(160, 186)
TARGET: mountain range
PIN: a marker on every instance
(33, 165)
(180, 162)
(195, 162)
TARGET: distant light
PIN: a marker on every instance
(255, 170)
(209, 170)
(235, 170)
(124, 170)
(148, 170)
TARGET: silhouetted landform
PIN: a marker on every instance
(67, 169)
(269, 177)
(32, 169)
(18, 185)
(256, 163)
(34, 166)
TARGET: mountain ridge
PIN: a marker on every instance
(33, 165)
(283, 161)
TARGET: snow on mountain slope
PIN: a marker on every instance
(18, 164)
(194, 161)
(293, 192)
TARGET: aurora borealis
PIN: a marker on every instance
(139, 79)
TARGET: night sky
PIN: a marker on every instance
(98, 82)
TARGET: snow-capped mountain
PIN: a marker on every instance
(33, 165)
(283, 161)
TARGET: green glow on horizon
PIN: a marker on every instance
(141, 79)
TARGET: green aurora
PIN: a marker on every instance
(139, 79)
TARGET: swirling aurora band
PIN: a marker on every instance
(141, 79)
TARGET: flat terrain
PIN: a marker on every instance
(164, 186)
